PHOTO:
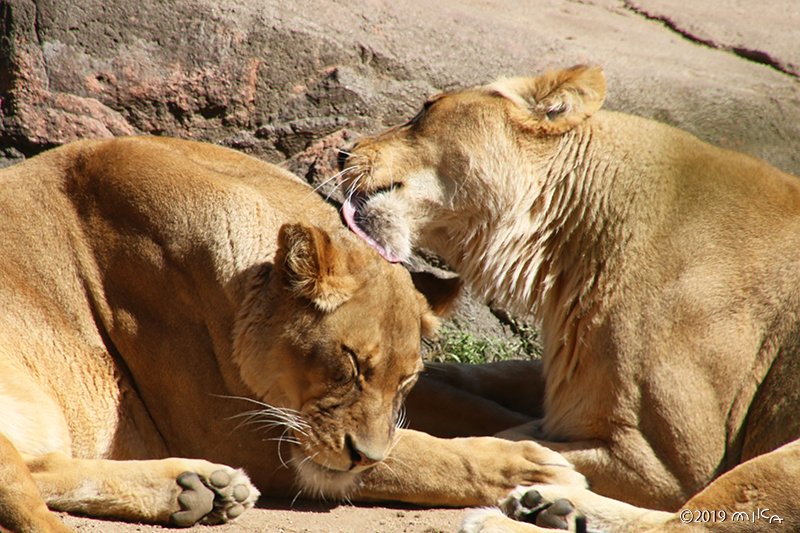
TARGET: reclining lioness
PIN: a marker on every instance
(165, 299)
(665, 274)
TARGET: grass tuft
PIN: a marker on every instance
(458, 346)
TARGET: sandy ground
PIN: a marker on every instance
(304, 517)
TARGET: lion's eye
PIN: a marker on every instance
(352, 367)
(388, 188)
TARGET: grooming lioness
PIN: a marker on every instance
(665, 274)
(163, 298)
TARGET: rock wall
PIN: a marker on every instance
(273, 77)
(288, 81)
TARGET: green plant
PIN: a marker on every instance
(528, 338)
(458, 346)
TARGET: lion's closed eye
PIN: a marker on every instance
(350, 369)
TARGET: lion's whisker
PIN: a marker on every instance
(389, 468)
(270, 417)
(395, 441)
(333, 190)
(296, 496)
(402, 418)
(289, 440)
(273, 420)
(334, 177)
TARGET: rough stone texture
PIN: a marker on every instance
(274, 77)
(290, 81)
(765, 32)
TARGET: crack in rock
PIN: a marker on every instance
(750, 54)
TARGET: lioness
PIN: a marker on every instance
(665, 274)
(163, 298)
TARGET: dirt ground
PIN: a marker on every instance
(303, 517)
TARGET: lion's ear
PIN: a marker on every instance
(557, 101)
(313, 266)
(440, 293)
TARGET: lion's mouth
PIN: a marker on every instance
(353, 211)
(319, 479)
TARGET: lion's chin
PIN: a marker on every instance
(350, 213)
(316, 480)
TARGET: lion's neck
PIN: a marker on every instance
(547, 254)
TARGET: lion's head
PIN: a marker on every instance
(450, 171)
(329, 340)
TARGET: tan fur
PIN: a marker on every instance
(664, 273)
(166, 299)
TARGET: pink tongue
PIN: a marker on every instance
(349, 213)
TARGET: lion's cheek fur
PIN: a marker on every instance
(387, 221)
(396, 218)
(264, 366)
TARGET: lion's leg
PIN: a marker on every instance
(22, 509)
(625, 468)
(444, 411)
(492, 520)
(461, 400)
(167, 491)
(426, 470)
(758, 495)
(516, 385)
(557, 507)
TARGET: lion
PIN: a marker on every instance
(176, 312)
(664, 273)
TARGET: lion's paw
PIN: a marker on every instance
(528, 504)
(221, 497)
(486, 520)
(552, 467)
(559, 507)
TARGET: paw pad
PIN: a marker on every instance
(196, 500)
(220, 498)
(532, 508)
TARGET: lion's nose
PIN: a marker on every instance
(359, 457)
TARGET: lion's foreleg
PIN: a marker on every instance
(492, 520)
(554, 506)
(167, 491)
(22, 509)
(758, 495)
(544, 520)
(444, 411)
(625, 468)
(430, 471)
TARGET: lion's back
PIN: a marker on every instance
(75, 219)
